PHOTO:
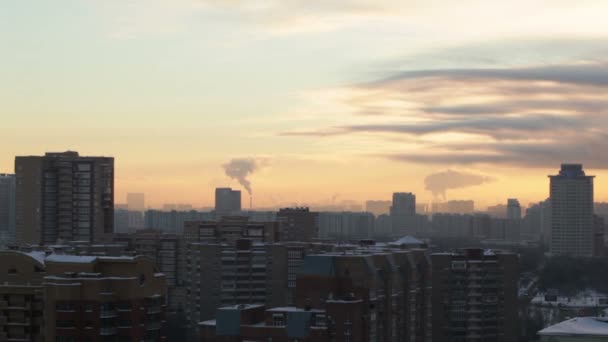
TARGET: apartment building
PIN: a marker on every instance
(63, 196)
(61, 297)
(387, 292)
(21, 296)
(474, 296)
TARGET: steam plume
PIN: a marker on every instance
(240, 169)
(439, 183)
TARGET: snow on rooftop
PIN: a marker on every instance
(38, 256)
(587, 298)
(407, 240)
(241, 307)
(292, 309)
(81, 259)
(579, 326)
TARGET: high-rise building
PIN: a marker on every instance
(298, 224)
(532, 223)
(7, 206)
(384, 295)
(136, 201)
(404, 203)
(513, 209)
(63, 196)
(403, 214)
(227, 201)
(475, 296)
(219, 274)
(571, 193)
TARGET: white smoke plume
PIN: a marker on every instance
(240, 169)
(438, 183)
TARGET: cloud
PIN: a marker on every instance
(438, 183)
(595, 74)
(525, 116)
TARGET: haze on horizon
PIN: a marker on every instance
(348, 99)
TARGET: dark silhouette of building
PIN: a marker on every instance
(381, 294)
(7, 206)
(298, 224)
(63, 196)
(227, 201)
(571, 197)
(475, 296)
(63, 297)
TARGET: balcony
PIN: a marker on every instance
(108, 331)
(18, 322)
(17, 338)
(19, 306)
(107, 314)
(150, 326)
(154, 309)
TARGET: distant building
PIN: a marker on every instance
(177, 207)
(173, 221)
(378, 207)
(454, 207)
(578, 329)
(298, 224)
(532, 223)
(227, 201)
(474, 296)
(572, 231)
(513, 209)
(229, 229)
(452, 225)
(64, 196)
(7, 206)
(346, 225)
(498, 211)
(403, 214)
(404, 203)
(136, 201)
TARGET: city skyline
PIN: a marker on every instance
(370, 97)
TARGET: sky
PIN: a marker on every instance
(328, 100)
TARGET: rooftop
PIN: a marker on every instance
(579, 326)
(81, 259)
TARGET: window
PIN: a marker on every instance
(12, 270)
(64, 323)
(124, 323)
(278, 319)
(65, 306)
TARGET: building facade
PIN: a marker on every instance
(298, 224)
(63, 196)
(571, 194)
(7, 207)
(60, 297)
(227, 201)
(474, 296)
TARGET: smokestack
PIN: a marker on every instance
(250, 202)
